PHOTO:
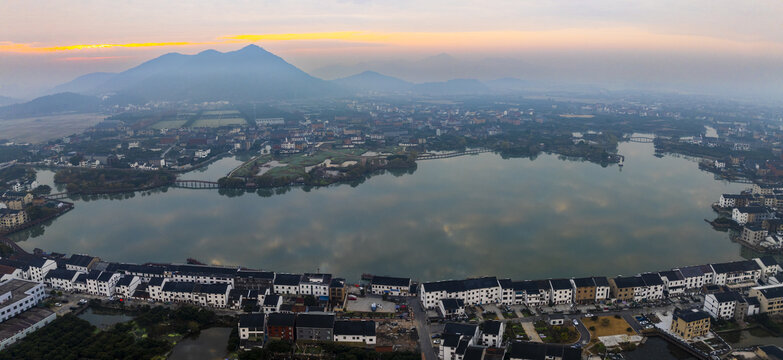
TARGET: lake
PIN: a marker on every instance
(451, 218)
(210, 344)
(104, 319)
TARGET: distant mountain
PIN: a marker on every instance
(4, 100)
(374, 82)
(248, 74)
(452, 87)
(85, 83)
(52, 104)
(507, 85)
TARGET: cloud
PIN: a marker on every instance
(32, 48)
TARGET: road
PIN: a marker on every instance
(423, 329)
(584, 333)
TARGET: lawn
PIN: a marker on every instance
(607, 326)
(168, 124)
(219, 122)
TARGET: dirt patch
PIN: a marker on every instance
(607, 326)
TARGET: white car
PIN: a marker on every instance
(576, 323)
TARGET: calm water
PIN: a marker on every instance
(104, 320)
(752, 337)
(656, 348)
(209, 345)
(452, 218)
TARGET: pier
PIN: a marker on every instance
(196, 184)
(451, 155)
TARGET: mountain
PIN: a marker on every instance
(248, 74)
(84, 84)
(452, 87)
(507, 85)
(373, 81)
(4, 100)
(52, 104)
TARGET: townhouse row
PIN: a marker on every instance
(737, 275)
(257, 328)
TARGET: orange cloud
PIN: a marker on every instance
(562, 39)
(92, 58)
(29, 48)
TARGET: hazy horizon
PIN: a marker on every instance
(725, 48)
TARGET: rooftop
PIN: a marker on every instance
(347, 327)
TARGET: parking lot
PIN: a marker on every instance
(364, 304)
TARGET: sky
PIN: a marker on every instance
(708, 46)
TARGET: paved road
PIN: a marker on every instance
(584, 333)
(423, 329)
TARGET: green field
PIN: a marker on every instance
(213, 122)
(168, 124)
(219, 113)
(298, 162)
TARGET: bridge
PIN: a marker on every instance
(451, 155)
(56, 196)
(641, 139)
(195, 184)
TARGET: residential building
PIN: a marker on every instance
(721, 305)
(127, 285)
(251, 327)
(602, 288)
(472, 291)
(562, 291)
(630, 288)
(253, 279)
(8, 273)
(694, 278)
(690, 324)
(315, 326)
(751, 214)
(81, 263)
(653, 286)
(492, 333)
(10, 219)
(734, 200)
(286, 284)
(16, 296)
(737, 274)
(201, 274)
(769, 267)
(584, 290)
(770, 298)
(753, 234)
(33, 268)
(337, 291)
(102, 282)
(355, 331)
(507, 292)
(524, 350)
(316, 285)
(24, 324)
(673, 283)
(395, 286)
(144, 272)
(272, 303)
(451, 307)
(281, 326)
(215, 295)
(61, 279)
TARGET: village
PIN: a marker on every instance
(475, 318)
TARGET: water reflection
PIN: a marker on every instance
(209, 345)
(452, 218)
